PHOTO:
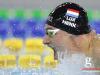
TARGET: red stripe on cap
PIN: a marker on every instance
(73, 10)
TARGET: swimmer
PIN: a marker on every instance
(68, 31)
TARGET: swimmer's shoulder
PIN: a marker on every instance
(96, 45)
(97, 42)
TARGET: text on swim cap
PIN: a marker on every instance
(69, 23)
(70, 18)
(50, 18)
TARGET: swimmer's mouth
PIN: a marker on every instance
(55, 52)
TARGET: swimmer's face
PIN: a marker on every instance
(57, 39)
(60, 40)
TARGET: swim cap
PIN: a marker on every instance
(69, 17)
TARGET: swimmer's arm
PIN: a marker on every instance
(96, 57)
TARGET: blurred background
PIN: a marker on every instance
(22, 31)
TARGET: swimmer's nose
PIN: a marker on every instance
(46, 40)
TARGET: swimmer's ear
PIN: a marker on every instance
(90, 35)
